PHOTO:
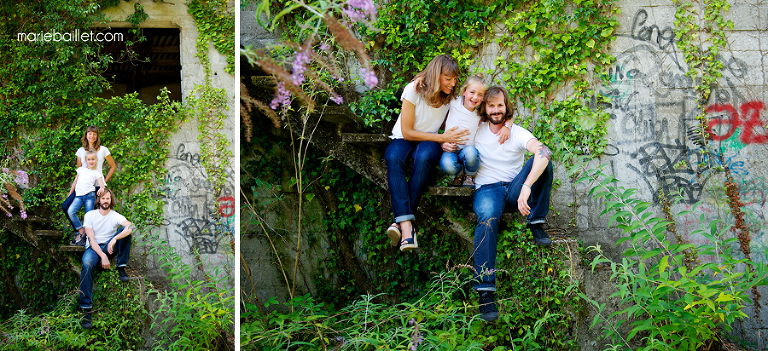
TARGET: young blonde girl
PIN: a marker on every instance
(459, 160)
(425, 104)
(85, 193)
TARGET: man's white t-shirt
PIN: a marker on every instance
(86, 178)
(101, 155)
(104, 227)
(500, 163)
(459, 116)
(428, 118)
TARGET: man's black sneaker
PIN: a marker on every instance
(86, 322)
(488, 310)
(123, 276)
(540, 237)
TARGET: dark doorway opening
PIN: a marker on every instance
(153, 64)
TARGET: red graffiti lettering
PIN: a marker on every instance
(227, 206)
(753, 128)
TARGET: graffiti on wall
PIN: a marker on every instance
(655, 131)
(202, 219)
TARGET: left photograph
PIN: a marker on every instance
(117, 181)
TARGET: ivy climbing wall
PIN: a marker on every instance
(199, 208)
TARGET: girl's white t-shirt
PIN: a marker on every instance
(101, 154)
(86, 178)
(500, 163)
(428, 118)
(459, 116)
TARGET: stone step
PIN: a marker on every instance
(72, 248)
(49, 233)
(35, 219)
(450, 191)
(364, 138)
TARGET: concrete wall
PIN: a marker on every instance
(653, 122)
(195, 218)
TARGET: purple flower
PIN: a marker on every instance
(324, 46)
(337, 99)
(22, 178)
(299, 66)
(416, 341)
(412, 321)
(23, 215)
(369, 77)
(282, 97)
(361, 10)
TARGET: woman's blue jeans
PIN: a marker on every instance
(466, 159)
(405, 194)
(91, 261)
(489, 203)
(87, 200)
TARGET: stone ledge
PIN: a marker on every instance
(49, 233)
(72, 248)
(364, 138)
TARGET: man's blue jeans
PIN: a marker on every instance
(87, 201)
(489, 203)
(405, 195)
(91, 261)
(467, 160)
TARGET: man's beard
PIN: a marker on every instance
(104, 206)
(493, 120)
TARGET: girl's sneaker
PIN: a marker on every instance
(469, 182)
(78, 239)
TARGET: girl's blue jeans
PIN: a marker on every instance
(87, 200)
(405, 194)
(466, 159)
(68, 202)
(91, 261)
(489, 203)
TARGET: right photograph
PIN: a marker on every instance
(487, 175)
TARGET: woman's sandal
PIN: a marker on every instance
(410, 243)
(394, 234)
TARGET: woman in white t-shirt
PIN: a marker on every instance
(91, 141)
(425, 105)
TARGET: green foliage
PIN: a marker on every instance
(215, 24)
(697, 31)
(572, 124)
(441, 319)
(117, 319)
(670, 305)
(194, 314)
(38, 280)
(36, 74)
(209, 109)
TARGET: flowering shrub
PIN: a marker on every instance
(10, 180)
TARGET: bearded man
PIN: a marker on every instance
(505, 182)
(109, 235)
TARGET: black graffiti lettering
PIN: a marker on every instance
(664, 37)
